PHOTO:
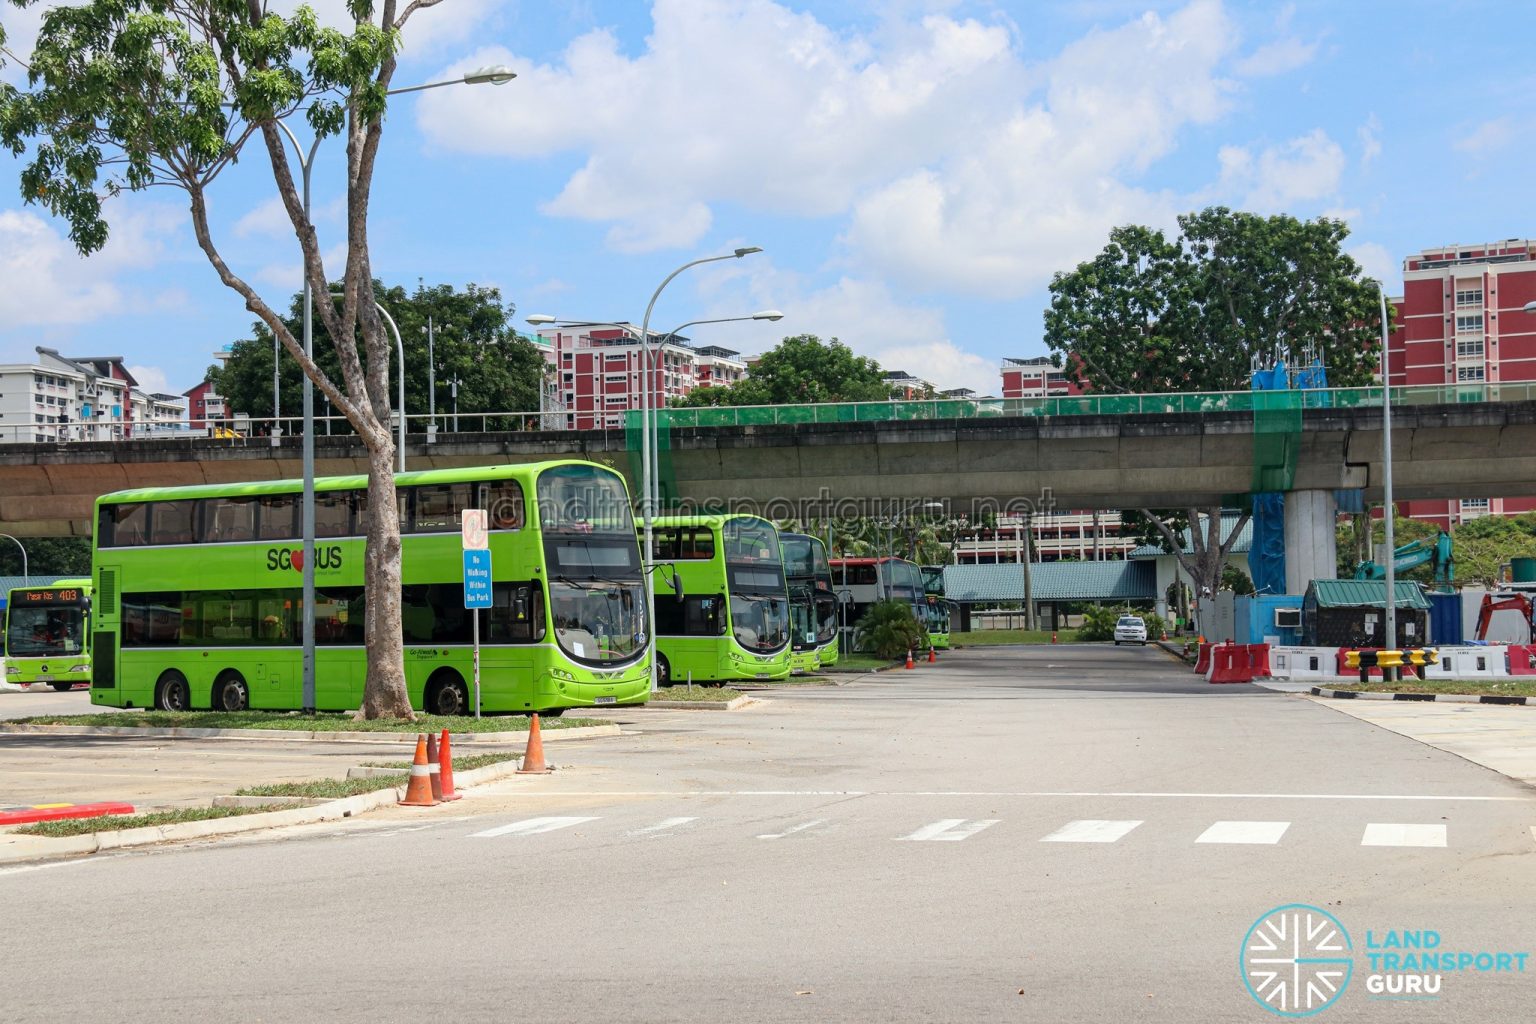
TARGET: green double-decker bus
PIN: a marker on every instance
(47, 636)
(939, 609)
(729, 617)
(812, 604)
(199, 593)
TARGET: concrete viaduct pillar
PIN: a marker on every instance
(1311, 545)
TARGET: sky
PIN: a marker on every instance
(914, 170)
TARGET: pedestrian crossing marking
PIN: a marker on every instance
(1092, 831)
(1252, 833)
(661, 827)
(1403, 835)
(530, 827)
(950, 830)
(793, 829)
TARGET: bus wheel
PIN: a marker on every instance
(230, 692)
(663, 670)
(172, 692)
(446, 694)
(62, 687)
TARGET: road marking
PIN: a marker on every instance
(1091, 831)
(1533, 832)
(1260, 833)
(950, 830)
(1403, 835)
(661, 827)
(794, 829)
(530, 827)
(22, 869)
(1023, 794)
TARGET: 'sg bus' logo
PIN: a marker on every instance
(1296, 961)
(293, 558)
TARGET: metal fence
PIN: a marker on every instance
(245, 429)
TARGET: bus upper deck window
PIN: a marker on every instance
(503, 500)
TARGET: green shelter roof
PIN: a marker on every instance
(1365, 594)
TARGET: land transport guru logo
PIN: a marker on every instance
(1297, 960)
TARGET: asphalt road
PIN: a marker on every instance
(1050, 834)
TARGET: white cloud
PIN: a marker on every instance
(1380, 264)
(1305, 169)
(813, 116)
(151, 379)
(1369, 135)
(1488, 136)
(44, 281)
(1277, 57)
(288, 276)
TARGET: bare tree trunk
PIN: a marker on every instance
(385, 694)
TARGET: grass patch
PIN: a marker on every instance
(323, 789)
(295, 721)
(1475, 687)
(461, 763)
(112, 822)
(699, 694)
(1001, 637)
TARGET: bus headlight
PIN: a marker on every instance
(12, 670)
(560, 673)
(80, 668)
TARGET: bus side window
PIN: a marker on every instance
(333, 514)
(698, 542)
(701, 616)
(226, 520)
(172, 522)
(279, 519)
(517, 616)
(436, 507)
(503, 500)
(664, 543)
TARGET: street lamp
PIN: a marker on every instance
(648, 448)
(26, 577)
(495, 75)
(648, 483)
(1386, 454)
(400, 352)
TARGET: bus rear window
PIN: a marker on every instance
(123, 525)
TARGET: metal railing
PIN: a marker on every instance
(240, 429)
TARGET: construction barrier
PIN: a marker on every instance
(1469, 662)
(1231, 663)
(1203, 660)
(1303, 662)
(1258, 660)
(1522, 660)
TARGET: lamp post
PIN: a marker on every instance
(26, 577)
(400, 388)
(647, 470)
(647, 446)
(1386, 457)
(494, 75)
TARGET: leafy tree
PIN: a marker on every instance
(801, 369)
(1235, 580)
(473, 340)
(1098, 624)
(890, 630)
(47, 556)
(1194, 313)
(131, 94)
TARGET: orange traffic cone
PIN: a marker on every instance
(434, 768)
(445, 752)
(932, 656)
(909, 658)
(533, 758)
(1053, 636)
(419, 792)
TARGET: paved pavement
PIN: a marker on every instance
(1501, 738)
(1067, 834)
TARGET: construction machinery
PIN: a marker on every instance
(1411, 556)
(1508, 601)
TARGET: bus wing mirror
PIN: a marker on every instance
(677, 584)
